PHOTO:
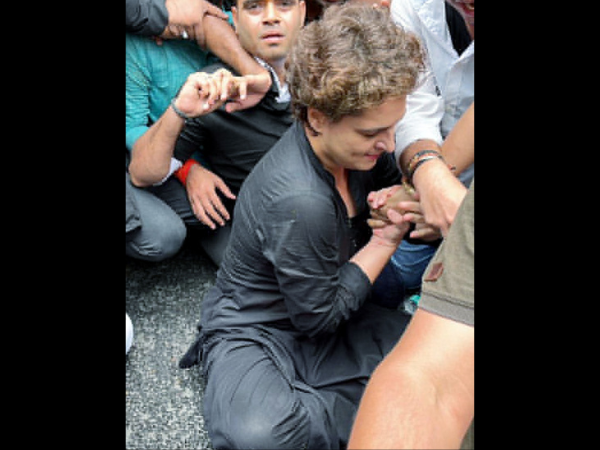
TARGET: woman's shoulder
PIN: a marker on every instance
(285, 177)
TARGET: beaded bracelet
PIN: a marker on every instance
(417, 161)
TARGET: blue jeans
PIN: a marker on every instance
(402, 275)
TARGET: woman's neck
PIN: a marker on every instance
(339, 173)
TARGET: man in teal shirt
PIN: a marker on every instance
(154, 73)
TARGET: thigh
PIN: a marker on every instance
(215, 242)
(173, 193)
(253, 400)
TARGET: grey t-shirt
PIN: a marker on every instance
(449, 282)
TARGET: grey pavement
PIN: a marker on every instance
(163, 403)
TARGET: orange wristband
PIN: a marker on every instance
(183, 172)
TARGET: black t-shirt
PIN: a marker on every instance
(232, 143)
(458, 30)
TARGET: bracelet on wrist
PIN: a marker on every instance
(184, 171)
(179, 112)
(419, 156)
(417, 161)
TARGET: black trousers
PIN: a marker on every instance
(267, 389)
(213, 242)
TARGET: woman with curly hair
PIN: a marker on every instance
(288, 336)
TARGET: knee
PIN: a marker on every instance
(257, 430)
(157, 244)
(252, 432)
(170, 240)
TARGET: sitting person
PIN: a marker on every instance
(153, 75)
(442, 332)
(422, 394)
(230, 143)
(446, 30)
(288, 338)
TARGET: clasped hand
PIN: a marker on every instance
(395, 206)
(203, 92)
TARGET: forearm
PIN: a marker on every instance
(373, 257)
(400, 409)
(152, 152)
(459, 147)
(458, 156)
(422, 394)
(412, 149)
(223, 42)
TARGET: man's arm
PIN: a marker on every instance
(186, 17)
(223, 42)
(441, 192)
(168, 18)
(201, 94)
(459, 147)
(422, 394)
(152, 152)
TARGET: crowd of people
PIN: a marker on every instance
(322, 153)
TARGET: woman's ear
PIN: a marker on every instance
(316, 120)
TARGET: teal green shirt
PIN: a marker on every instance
(153, 75)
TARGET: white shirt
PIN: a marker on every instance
(283, 89)
(448, 84)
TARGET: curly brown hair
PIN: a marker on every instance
(353, 59)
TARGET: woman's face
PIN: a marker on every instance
(357, 142)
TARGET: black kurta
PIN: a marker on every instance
(288, 339)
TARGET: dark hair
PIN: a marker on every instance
(223, 4)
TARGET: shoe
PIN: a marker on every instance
(128, 333)
(410, 304)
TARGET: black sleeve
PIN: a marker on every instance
(301, 238)
(146, 17)
(194, 134)
(190, 139)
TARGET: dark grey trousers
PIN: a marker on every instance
(153, 231)
(213, 242)
(269, 389)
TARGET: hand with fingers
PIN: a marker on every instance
(389, 198)
(251, 93)
(203, 93)
(202, 186)
(397, 205)
(185, 19)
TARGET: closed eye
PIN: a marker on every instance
(372, 132)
